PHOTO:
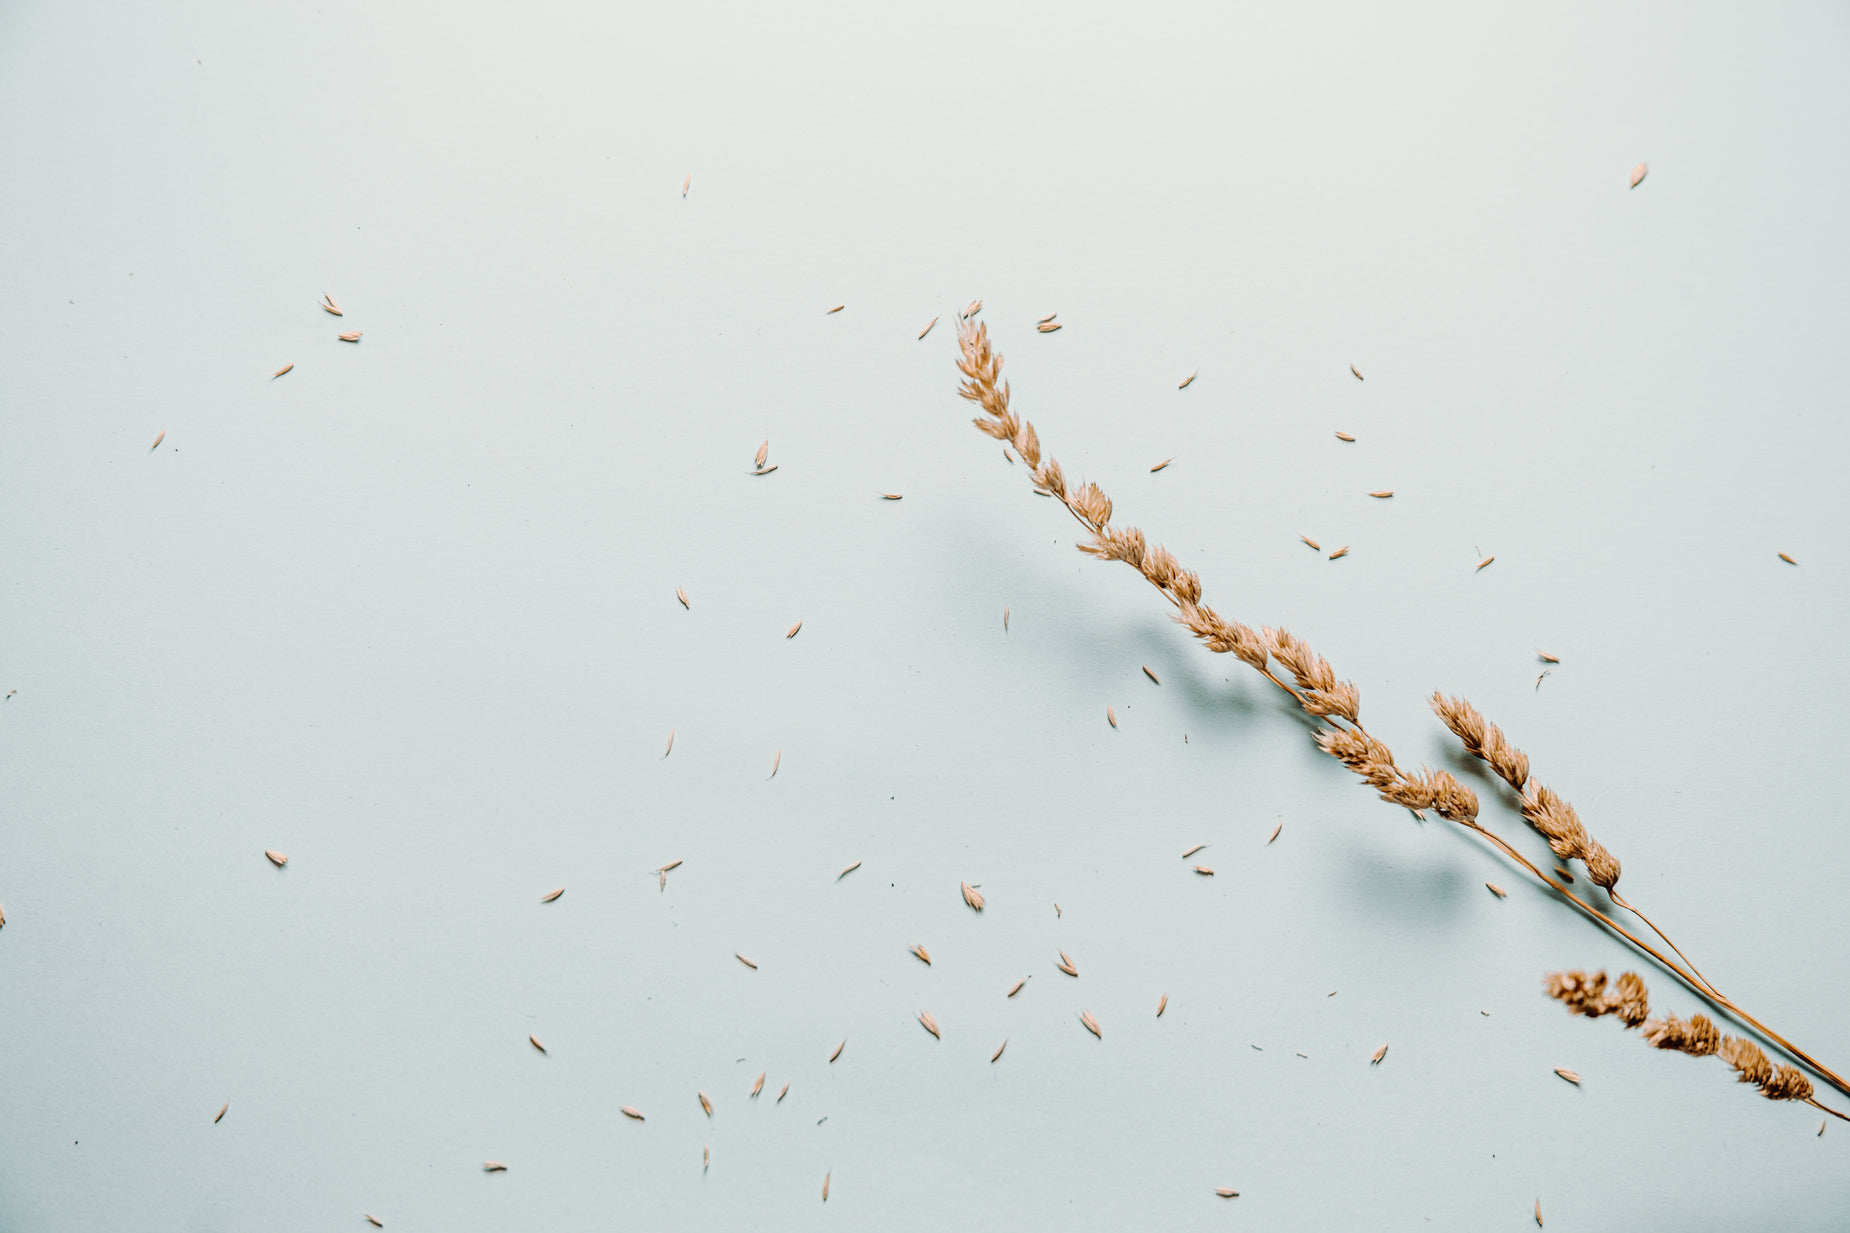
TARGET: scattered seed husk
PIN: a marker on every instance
(276, 858)
(1005, 620)
(1047, 318)
(1204, 871)
(682, 596)
(892, 496)
(972, 896)
(670, 867)
(1782, 556)
(1111, 717)
(775, 763)
(1638, 174)
(1340, 552)
(1496, 890)
(689, 179)
(1008, 456)
(1344, 436)
(1315, 546)
(764, 452)
(825, 1184)
(220, 1115)
(758, 1084)
(1162, 1004)
(922, 955)
(375, 1222)
(632, 1112)
(279, 372)
(1820, 1130)
(2, 918)
(928, 325)
(1538, 1213)
(1274, 834)
(706, 1158)
(1056, 910)
(1378, 1055)
(670, 748)
(1066, 963)
(838, 1049)
(1159, 466)
(1546, 658)
(350, 336)
(1188, 380)
(1225, 1193)
(1091, 1024)
(929, 1024)
(1572, 1076)
(999, 1049)
(664, 878)
(157, 441)
(1016, 988)
(1563, 874)
(329, 308)
(1198, 847)
(792, 631)
(1484, 562)
(1048, 327)
(1538, 680)
(1150, 674)
(836, 309)
(765, 470)
(1384, 492)
(327, 302)
(535, 1042)
(850, 869)
(747, 962)
(493, 1166)
(781, 1093)
(1356, 371)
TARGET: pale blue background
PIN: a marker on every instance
(408, 613)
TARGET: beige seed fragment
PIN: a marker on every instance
(1056, 911)
(664, 886)
(892, 496)
(1198, 847)
(1538, 1213)
(1563, 874)
(1225, 1193)
(825, 1184)
(1111, 717)
(834, 310)
(1274, 834)
(775, 763)
(1162, 1005)
(792, 631)
(1188, 380)
(782, 1092)
(1496, 890)
(670, 867)
(1546, 658)
(1091, 1024)
(1378, 1055)
(1638, 174)
(758, 1086)
(929, 1024)
(1356, 371)
(328, 305)
(1315, 546)
(1782, 556)
(220, 1116)
(747, 962)
(276, 858)
(1572, 1076)
(633, 1113)
(973, 308)
(1005, 620)
(850, 869)
(1204, 871)
(686, 180)
(352, 336)
(764, 452)
(1066, 965)
(1340, 552)
(928, 325)
(1159, 466)
(279, 372)
(765, 470)
(972, 897)
(1016, 988)
(1344, 436)
(1483, 563)
(535, 1042)
(682, 596)
(1150, 674)
(1048, 327)
(998, 1052)
(670, 748)
(157, 441)
(375, 1222)
(493, 1166)
(1382, 493)
(922, 955)
(1821, 1130)
(706, 1106)
(706, 1158)
(838, 1049)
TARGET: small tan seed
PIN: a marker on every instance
(1162, 1005)
(1483, 563)
(825, 1184)
(764, 452)
(1315, 546)
(1159, 466)
(685, 181)
(1048, 328)
(1546, 658)
(929, 1024)
(279, 372)
(1356, 371)
(998, 1052)
(792, 631)
(157, 441)
(1572, 1076)
(706, 1106)
(220, 1116)
(1204, 871)
(1111, 717)
(758, 1085)
(838, 1049)
(331, 309)
(1188, 380)
(375, 1222)
(972, 897)
(1340, 552)
(892, 496)
(682, 596)
(1378, 1055)
(928, 325)
(1538, 1213)
(1017, 986)
(775, 763)
(670, 748)
(535, 1042)
(1047, 318)
(276, 858)
(1821, 1130)
(973, 308)
(921, 954)
(1274, 834)
(1496, 890)
(1150, 674)
(836, 309)
(670, 867)
(493, 1166)
(1638, 174)
(781, 1093)
(1343, 436)
(1782, 556)
(1056, 911)
(664, 879)
(633, 1113)
(1225, 1193)
(1091, 1024)
(327, 303)
(850, 869)
(352, 336)
(1005, 620)
(1385, 492)
(747, 962)
(1193, 850)
(1066, 965)
(706, 1158)
(765, 470)
(1563, 874)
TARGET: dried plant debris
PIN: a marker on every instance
(1572, 1076)
(972, 309)
(1225, 1193)
(1782, 556)
(792, 631)
(375, 1222)
(929, 1024)
(535, 1042)
(670, 748)
(781, 1093)
(825, 1184)
(1345, 436)
(972, 896)
(1048, 327)
(1546, 658)
(162, 436)
(1189, 380)
(928, 325)
(1483, 563)
(686, 181)
(279, 372)
(1150, 674)
(1066, 965)
(1314, 545)
(493, 1166)
(352, 336)
(1375, 1059)
(1090, 1024)
(834, 310)
(892, 496)
(1111, 717)
(838, 1049)
(1496, 890)
(220, 1115)
(1017, 986)
(758, 1085)
(706, 1106)
(1159, 466)
(1382, 493)
(670, 867)
(1538, 1213)
(775, 763)
(848, 870)
(1204, 871)
(329, 306)
(1340, 553)
(1198, 847)
(747, 962)
(633, 1113)
(1162, 1004)
(276, 858)
(921, 954)
(682, 596)
(1638, 174)
(764, 452)
(1274, 834)
(1356, 371)
(998, 1052)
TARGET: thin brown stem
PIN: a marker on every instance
(1707, 984)
(1813, 1102)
